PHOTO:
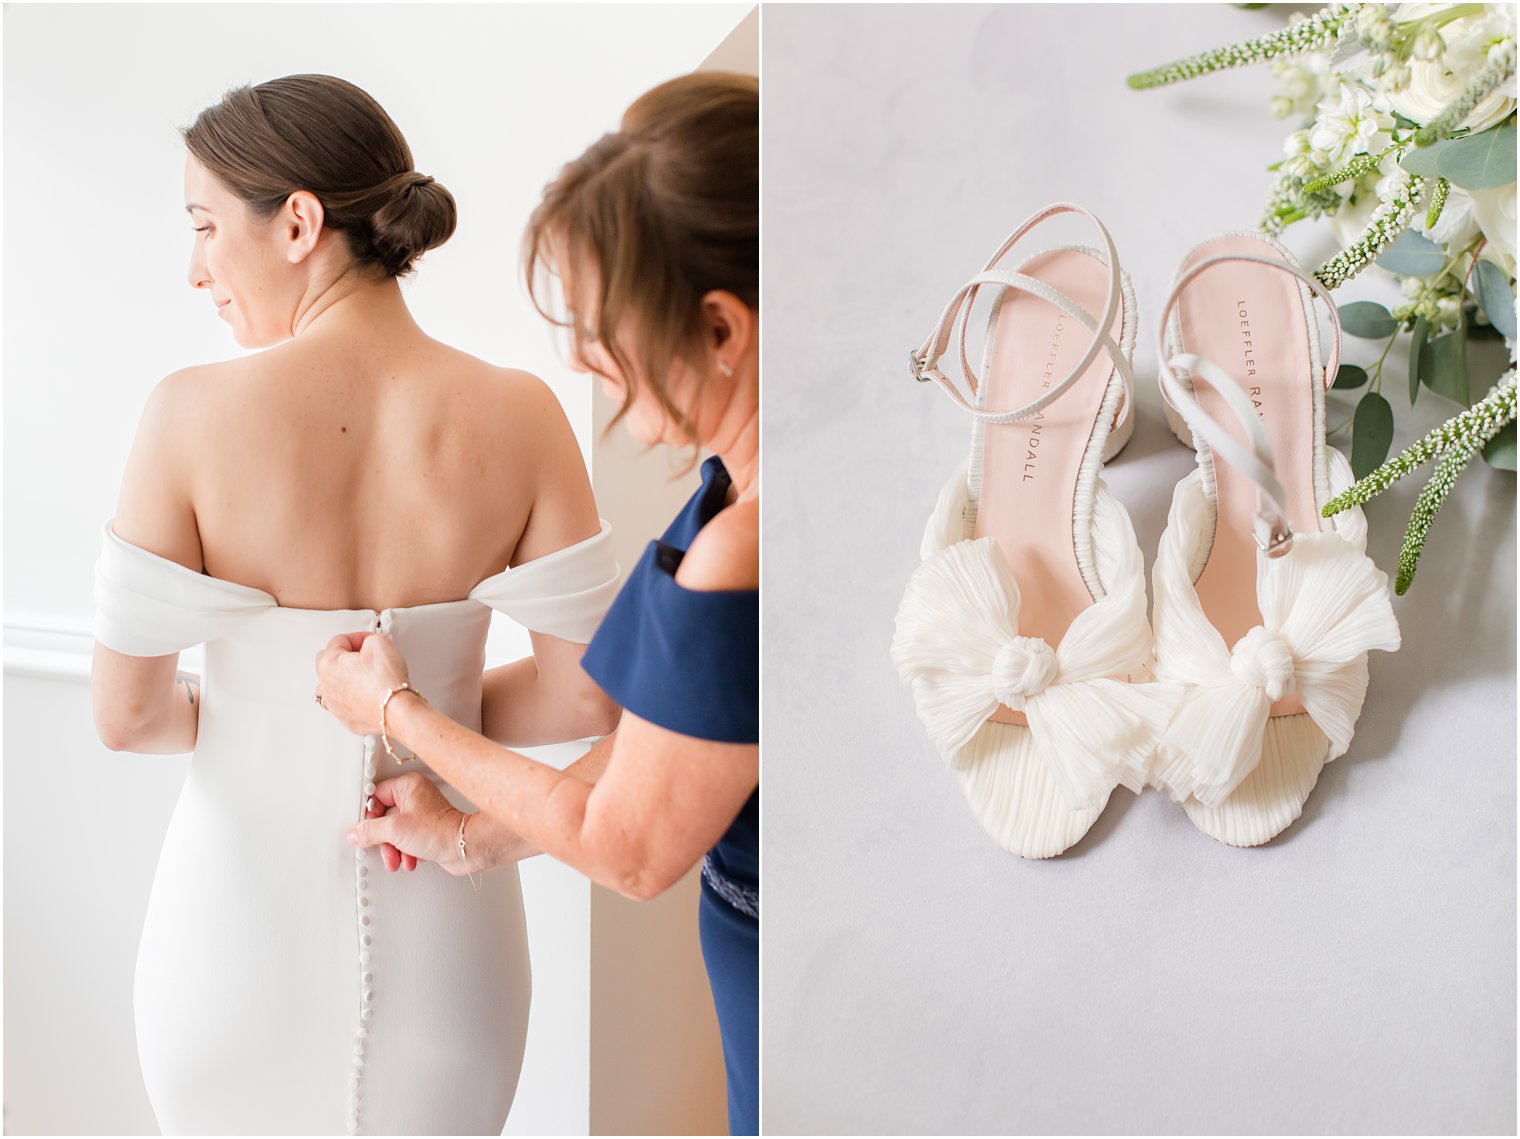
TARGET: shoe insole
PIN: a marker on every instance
(1250, 320)
(1029, 468)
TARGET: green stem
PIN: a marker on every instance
(1321, 30)
(1472, 429)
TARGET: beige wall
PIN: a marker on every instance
(656, 1059)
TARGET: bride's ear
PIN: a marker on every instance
(731, 327)
(300, 219)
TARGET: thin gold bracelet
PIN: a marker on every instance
(463, 857)
(385, 738)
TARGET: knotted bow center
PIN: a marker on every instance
(1263, 659)
(1024, 667)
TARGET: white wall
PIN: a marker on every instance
(492, 98)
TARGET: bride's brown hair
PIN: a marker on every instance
(323, 135)
(661, 211)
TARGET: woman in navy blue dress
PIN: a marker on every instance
(651, 240)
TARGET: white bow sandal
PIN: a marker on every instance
(1018, 631)
(1264, 612)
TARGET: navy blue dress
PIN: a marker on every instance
(689, 660)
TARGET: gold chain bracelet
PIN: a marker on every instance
(385, 738)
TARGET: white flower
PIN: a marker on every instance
(1494, 211)
(1349, 125)
(1428, 46)
(1434, 85)
(1352, 219)
(1456, 226)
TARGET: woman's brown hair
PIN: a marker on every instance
(324, 135)
(661, 212)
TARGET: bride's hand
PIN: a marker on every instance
(354, 672)
(412, 822)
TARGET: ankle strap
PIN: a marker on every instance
(925, 359)
(1254, 459)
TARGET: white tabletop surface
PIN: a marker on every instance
(1355, 975)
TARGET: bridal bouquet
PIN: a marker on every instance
(1405, 143)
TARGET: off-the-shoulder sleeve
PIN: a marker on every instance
(146, 605)
(687, 660)
(564, 594)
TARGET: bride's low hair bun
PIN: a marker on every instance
(416, 216)
(323, 135)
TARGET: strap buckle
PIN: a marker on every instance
(1279, 540)
(917, 364)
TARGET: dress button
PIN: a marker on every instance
(366, 1013)
(364, 920)
(363, 871)
(369, 788)
(362, 1033)
(365, 939)
(364, 958)
(369, 996)
(363, 901)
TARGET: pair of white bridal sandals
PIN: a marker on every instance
(1023, 633)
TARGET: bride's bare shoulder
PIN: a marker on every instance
(517, 400)
(187, 393)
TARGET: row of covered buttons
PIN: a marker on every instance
(366, 974)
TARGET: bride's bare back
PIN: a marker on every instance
(359, 465)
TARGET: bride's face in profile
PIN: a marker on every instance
(239, 261)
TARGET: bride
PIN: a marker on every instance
(356, 473)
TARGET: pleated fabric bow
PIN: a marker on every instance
(958, 645)
(1324, 605)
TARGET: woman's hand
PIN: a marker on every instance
(354, 672)
(412, 822)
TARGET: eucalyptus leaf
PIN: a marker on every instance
(1426, 160)
(1443, 366)
(1500, 450)
(1496, 296)
(1413, 255)
(1480, 161)
(1349, 376)
(1367, 320)
(1416, 346)
(1371, 434)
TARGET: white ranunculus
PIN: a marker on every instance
(1435, 85)
(1494, 211)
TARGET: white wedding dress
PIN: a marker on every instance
(286, 983)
